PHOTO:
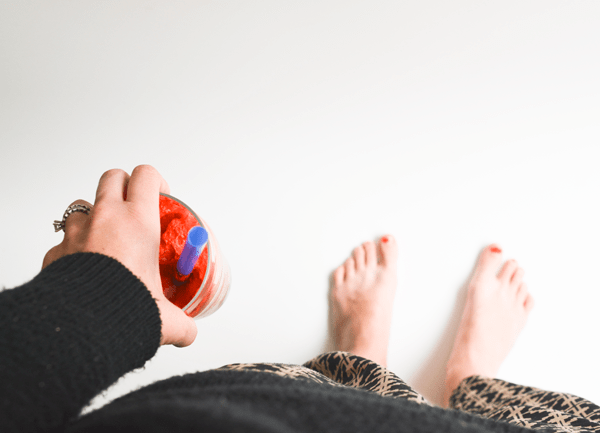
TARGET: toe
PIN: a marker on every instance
(529, 303)
(359, 257)
(388, 250)
(522, 293)
(507, 271)
(489, 260)
(338, 276)
(370, 254)
(517, 277)
(349, 268)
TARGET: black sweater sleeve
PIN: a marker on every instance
(77, 327)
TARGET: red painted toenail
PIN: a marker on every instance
(384, 239)
(495, 250)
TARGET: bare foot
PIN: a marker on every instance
(361, 300)
(496, 310)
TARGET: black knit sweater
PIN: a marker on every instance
(86, 320)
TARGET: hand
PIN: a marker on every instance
(125, 224)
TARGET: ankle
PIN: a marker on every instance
(454, 376)
(371, 351)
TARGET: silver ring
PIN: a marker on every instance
(60, 225)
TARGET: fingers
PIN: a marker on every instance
(145, 185)
(141, 187)
(112, 186)
(75, 227)
(76, 222)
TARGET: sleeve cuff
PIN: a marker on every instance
(77, 327)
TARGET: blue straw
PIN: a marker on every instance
(196, 240)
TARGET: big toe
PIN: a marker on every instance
(489, 260)
(388, 250)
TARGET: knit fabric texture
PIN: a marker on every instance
(86, 320)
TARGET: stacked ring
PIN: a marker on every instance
(60, 225)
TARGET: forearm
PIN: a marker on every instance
(68, 334)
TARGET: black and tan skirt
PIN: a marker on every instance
(491, 398)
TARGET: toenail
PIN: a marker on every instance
(384, 239)
(495, 250)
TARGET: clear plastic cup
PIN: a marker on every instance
(207, 286)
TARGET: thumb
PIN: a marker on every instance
(178, 328)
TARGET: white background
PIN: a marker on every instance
(299, 130)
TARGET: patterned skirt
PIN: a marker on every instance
(491, 398)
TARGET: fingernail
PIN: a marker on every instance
(495, 250)
(384, 239)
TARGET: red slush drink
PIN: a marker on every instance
(206, 288)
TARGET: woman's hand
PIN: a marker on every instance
(125, 224)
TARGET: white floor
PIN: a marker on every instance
(299, 130)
